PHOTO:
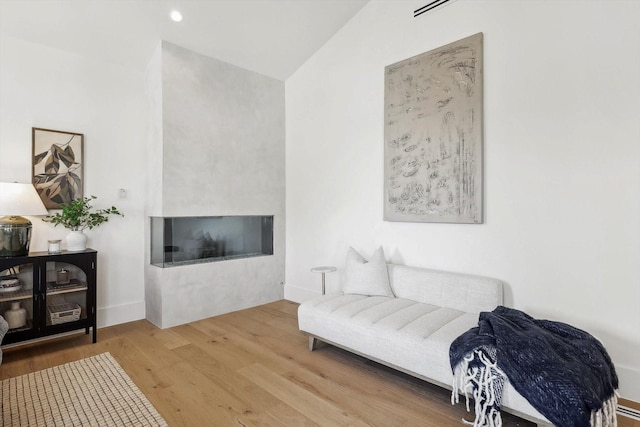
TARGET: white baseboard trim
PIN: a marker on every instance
(629, 383)
(628, 412)
(297, 294)
(114, 315)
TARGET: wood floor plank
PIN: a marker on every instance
(289, 417)
(218, 348)
(316, 408)
(170, 338)
(253, 368)
(243, 390)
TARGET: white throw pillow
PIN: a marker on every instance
(366, 278)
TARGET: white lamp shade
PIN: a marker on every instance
(20, 199)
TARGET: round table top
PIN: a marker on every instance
(323, 269)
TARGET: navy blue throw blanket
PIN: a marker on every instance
(565, 373)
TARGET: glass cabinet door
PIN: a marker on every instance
(16, 298)
(44, 294)
(66, 293)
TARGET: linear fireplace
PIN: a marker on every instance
(192, 240)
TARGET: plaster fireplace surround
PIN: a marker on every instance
(216, 138)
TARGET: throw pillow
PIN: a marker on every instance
(366, 278)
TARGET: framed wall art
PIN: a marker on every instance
(433, 135)
(57, 166)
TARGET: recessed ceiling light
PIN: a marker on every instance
(176, 16)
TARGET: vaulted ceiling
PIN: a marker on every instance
(271, 37)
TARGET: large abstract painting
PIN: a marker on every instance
(433, 135)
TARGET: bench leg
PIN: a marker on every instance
(313, 341)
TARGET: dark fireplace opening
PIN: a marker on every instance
(192, 240)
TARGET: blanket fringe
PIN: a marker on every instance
(485, 384)
(606, 415)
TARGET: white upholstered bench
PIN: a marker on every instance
(412, 329)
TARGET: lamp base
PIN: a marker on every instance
(15, 236)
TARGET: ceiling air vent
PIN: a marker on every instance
(428, 7)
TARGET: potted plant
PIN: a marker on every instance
(77, 216)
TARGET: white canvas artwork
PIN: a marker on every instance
(433, 135)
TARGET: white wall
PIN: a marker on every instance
(49, 88)
(562, 159)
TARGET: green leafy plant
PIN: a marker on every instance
(77, 215)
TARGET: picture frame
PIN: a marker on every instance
(57, 166)
(433, 135)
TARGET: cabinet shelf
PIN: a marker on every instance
(16, 295)
(73, 286)
(26, 327)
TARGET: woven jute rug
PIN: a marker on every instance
(95, 391)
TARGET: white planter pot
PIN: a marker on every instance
(76, 241)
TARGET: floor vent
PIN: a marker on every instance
(428, 7)
(629, 412)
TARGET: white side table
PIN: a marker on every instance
(323, 269)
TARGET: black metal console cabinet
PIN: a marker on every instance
(43, 294)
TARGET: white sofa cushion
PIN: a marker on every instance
(399, 331)
(464, 292)
(366, 277)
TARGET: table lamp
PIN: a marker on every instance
(15, 231)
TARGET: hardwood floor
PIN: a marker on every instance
(252, 368)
